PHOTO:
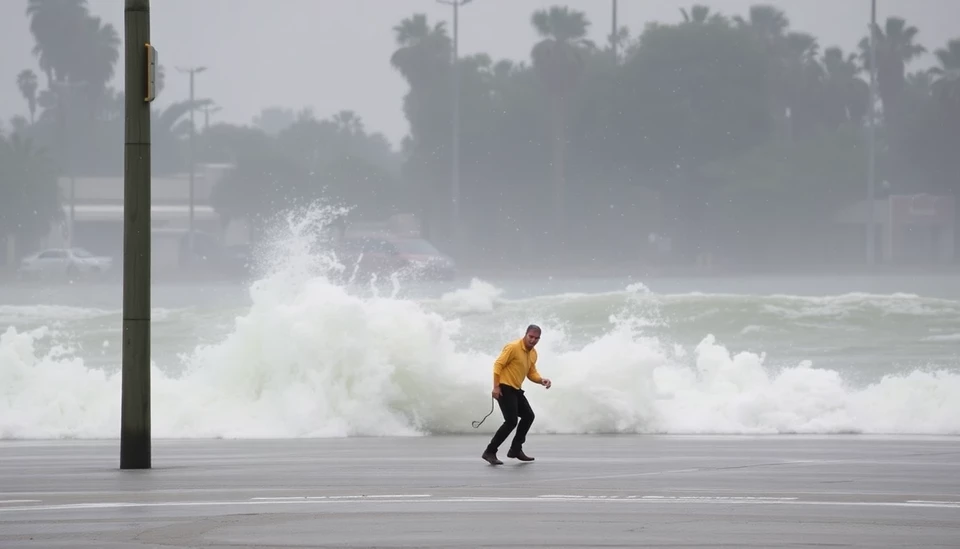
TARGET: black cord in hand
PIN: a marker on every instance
(479, 423)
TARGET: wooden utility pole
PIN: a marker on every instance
(139, 90)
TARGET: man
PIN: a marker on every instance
(517, 360)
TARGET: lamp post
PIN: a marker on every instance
(871, 141)
(455, 180)
(192, 71)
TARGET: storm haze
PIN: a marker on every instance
(334, 54)
(729, 136)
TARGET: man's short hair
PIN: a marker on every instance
(532, 328)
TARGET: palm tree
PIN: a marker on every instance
(845, 94)
(559, 59)
(802, 76)
(895, 48)
(72, 45)
(99, 50)
(423, 51)
(169, 130)
(29, 194)
(700, 15)
(502, 70)
(27, 82)
(424, 59)
(947, 83)
(768, 26)
(55, 26)
(767, 22)
(348, 122)
(19, 125)
(921, 83)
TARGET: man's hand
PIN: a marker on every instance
(546, 383)
(496, 392)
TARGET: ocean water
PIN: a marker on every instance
(295, 354)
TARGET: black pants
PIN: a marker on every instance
(514, 406)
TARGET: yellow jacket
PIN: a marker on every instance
(514, 364)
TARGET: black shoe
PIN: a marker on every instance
(491, 458)
(518, 454)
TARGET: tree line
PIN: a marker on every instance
(734, 134)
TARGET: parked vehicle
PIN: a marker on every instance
(385, 255)
(66, 262)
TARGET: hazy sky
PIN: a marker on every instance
(334, 54)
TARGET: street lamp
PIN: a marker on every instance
(455, 183)
(192, 71)
(871, 169)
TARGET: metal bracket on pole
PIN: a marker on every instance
(151, 74)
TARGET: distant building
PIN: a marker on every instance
(97, 215)
(909, 229)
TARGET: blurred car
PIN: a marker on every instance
(386, 255)
(69, 262)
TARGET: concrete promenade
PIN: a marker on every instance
(582, 491)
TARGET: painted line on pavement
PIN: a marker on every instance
(704, 469)
(939, 502)
(684, 498)
(314, 498)
(556, 498)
